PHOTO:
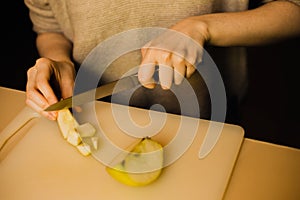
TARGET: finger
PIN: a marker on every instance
(44, 70)
(46, 90)
(38, 98)
(31, 73)
(67, 82)
(145, 75)
(67, 88)
(34, 98)
(163, 59)
(165, 76)
(32, 91)
(37, 108)
(146, 72)
(145, 48)
(190, 69)
(179, 69)
(40, 103)
(77, 109)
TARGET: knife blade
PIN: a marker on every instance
(108, 89)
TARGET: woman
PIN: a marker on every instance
(68, 30)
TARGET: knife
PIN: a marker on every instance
(123, 84)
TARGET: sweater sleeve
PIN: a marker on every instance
(42, 17)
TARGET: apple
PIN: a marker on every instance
(141, 166)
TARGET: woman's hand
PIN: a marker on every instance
(176, 52)
(244, 28)
(44, 79)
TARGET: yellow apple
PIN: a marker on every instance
(141, 166)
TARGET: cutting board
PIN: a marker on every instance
(42, 165)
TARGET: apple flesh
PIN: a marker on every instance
(84, 149)
(86, 130)
(95, 142)
(73, 132)
(66, 122)
(141, 166)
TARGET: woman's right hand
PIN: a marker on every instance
(42, 80)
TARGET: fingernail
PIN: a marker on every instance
(77, 109)
(165, 87)
(149, 86)
(177, 82)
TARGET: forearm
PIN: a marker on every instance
(269, 23)
(54, 46)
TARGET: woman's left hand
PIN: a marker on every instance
(176, 52)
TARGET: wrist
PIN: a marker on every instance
(66, 61)
(196, 28)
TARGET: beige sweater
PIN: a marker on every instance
(88, 22)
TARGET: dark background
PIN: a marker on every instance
(268, 113)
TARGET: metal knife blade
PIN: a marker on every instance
(123, 84)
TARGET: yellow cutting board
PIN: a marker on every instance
(42, 165)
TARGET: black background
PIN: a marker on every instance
(269, 113)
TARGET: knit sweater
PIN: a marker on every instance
(88, 22)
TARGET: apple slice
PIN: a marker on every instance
(95, 142)
(66, 122)
(73, 132)
(74, 137)
(84, 149)
(86, 130)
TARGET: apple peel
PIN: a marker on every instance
(141, 166)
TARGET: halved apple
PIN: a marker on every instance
(141, 166)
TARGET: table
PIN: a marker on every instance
(262, 171)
